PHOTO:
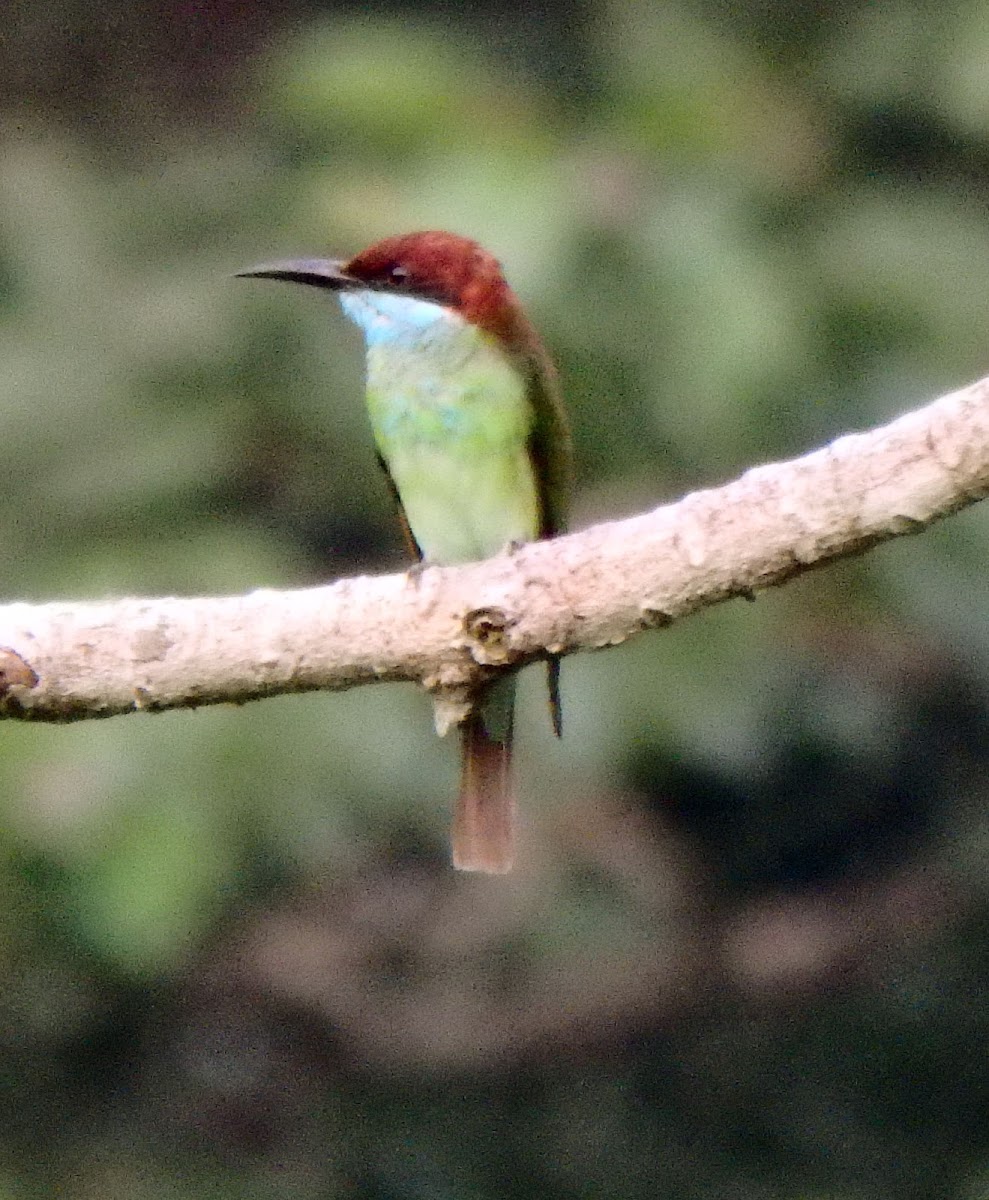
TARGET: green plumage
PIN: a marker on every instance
(452, 421)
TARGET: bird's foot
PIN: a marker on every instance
(415, 573)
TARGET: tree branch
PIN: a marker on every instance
(449, 627)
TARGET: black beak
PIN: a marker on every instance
(318, 272)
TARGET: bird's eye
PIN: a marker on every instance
(397, 275)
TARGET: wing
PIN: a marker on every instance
(551, 453)
(549, 444)
(410, 542)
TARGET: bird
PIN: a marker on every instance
(469, 426)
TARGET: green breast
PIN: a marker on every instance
(452, 420)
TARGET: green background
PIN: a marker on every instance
(745, 951)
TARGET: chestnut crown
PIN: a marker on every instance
(450, 270)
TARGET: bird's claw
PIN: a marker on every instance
(415, 573)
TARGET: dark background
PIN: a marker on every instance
(745, 951)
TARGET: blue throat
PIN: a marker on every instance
(388, 318)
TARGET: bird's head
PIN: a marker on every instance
(439, 268)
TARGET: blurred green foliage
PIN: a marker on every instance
(745, 951)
